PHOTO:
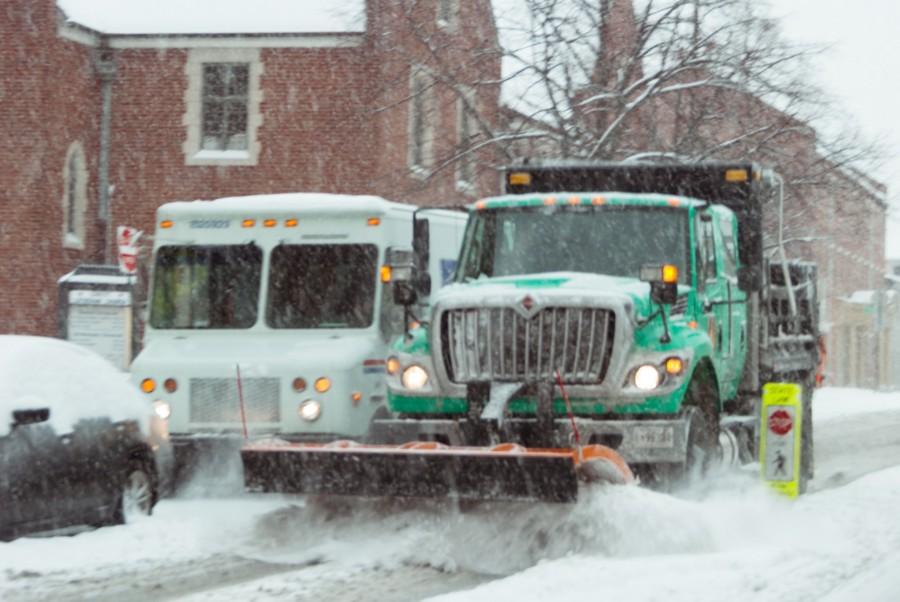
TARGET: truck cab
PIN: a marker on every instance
(271, 315)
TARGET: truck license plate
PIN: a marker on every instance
(653, 436)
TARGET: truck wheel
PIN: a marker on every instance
(700, 409)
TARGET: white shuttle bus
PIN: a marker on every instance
(271, 315)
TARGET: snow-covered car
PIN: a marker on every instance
(78, 443)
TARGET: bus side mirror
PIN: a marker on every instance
(663, 281)
(401, 262)
(421, 256)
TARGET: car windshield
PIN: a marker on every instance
(615, 241)
(206, 287)
(322, 286)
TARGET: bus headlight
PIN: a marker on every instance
(414, 377)
(646, 377)
(310, 410)
(162, 409)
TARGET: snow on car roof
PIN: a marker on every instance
(176, 17)
(73, 382)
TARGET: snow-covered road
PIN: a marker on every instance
(731, 540)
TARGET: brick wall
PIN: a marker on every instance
(50, 101)
(333, 120)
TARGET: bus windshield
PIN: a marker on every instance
(615, 241)
(322, 286)
(206, 287)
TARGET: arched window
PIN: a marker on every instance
(74, 196)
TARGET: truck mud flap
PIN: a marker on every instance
(426, 470)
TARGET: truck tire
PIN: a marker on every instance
(701, 409)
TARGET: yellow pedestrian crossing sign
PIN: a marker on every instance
(781, 425)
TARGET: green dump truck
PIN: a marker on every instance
(604, 319)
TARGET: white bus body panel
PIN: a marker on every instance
(205, 362)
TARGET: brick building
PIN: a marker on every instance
(112, 108)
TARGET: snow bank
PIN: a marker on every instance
(72, 381)
(173, 17)
(834, 402)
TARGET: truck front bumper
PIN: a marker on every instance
(652, 441)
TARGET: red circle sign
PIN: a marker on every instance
(780, 422)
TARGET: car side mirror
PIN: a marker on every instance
(30, 416)
(663, 281)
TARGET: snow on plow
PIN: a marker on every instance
(430, 470)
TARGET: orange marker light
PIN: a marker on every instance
(322, 384)
(356, 397)
(520, 178)
(385, 273)
(598, 200)
(692, 324)
(670, 274)
(736, 175)
(393, 365)
(674, 365)
(148, 385)
(550, 201)
(270, 223)
(480, 205)
(290, 223)
(166, 224)
(675, 202)
(575, 200)
(248, 223)
(373, 221)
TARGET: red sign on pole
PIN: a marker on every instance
(780, 422)
(127, 239)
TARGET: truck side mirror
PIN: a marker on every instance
(663, 281)
(401, 262)
(30, 416)
(749, 279)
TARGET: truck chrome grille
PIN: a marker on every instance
(216, 400)
(499, 344)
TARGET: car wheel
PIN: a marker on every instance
(137, 495)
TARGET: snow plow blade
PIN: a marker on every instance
(429, 470)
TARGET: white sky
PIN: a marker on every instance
(861, 68)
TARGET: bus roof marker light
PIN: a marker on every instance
(270, 223)
(248, 223)
(598, 200)
(166, 224)
(373, 221)
(290, 222)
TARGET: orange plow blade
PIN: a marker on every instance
(431, 470)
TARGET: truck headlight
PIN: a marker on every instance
(310, 410)
(414, 377)
(646, 377)
(162, 409)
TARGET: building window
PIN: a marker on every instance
(225, 98)
(466, 130)
(74, 199)
(446, 13)
(420, 118)
(222, 98)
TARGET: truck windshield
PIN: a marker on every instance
(206, 287)
(600, 240)
(322, 286)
